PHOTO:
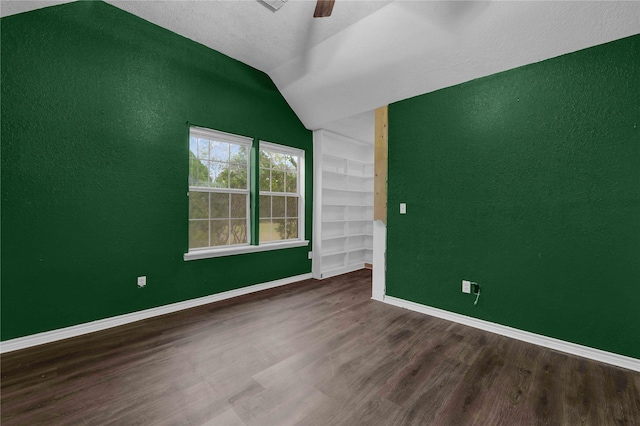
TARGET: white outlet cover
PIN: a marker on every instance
(466, 286)
(142, 281)
(403, 208)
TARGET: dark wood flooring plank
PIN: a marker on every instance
(504, 402)
(422, 407)
(621, 394)
(413, 375)
(469, 396)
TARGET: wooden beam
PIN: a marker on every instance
(380, 164)
(323, 8)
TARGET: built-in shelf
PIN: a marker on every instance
(332, 253)
(336, 237)
(359, 191)
(357, 176)
(347, 205)
(343, 204)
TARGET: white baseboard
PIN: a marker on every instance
(525, 336)
(340, 271)
(90, 327)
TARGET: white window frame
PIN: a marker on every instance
(229, 250)
(286, 150)
(218, 136)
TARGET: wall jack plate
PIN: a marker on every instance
(142, 281)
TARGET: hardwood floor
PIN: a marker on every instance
(311, 353)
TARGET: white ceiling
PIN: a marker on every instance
(247, 30)
(12, 7)
(371, 53)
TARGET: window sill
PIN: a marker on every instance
(220, 252)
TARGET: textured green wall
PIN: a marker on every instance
(527, 182)
(95, 103)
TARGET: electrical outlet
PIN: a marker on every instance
(466, 286)
(142, 281)
(475, 288)
(403, 208)
(310, 255)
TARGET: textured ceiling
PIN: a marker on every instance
(371, 53)
(248, 31)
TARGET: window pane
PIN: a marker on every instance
(265, 230)
(219, 151)
(203, 149)
(292, 163)
(198, 205)
(217, 218)
(238, 154)
(198, 233)
(219, 232)
(292, 229)
(265, 160)
(238, 206)
(277, 181)
(278, 161)
(219, 205)
(193, 145)
(278, 206)
(292, 206)
(265, 180)
(219, 173)
(238, 176)
(198, 172)
(278, 230)
(238, 231)
(265, 206)
(291, 182)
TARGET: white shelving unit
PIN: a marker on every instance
(343, 204)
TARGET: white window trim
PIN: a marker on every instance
(222, 136)
(286, 150)
(281, 149)
(233, 250)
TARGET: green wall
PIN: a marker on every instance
(95, 104)
(527, 182)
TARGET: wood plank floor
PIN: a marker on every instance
(311, 353)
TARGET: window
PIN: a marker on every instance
(222, 213)
(218, 189)
(279, 193)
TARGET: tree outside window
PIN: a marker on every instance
(218, 189)
(279, 195)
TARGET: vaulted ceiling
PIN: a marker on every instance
(370, 53)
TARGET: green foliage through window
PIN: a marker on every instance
(278, 196)
(219, 186)
(217, 216)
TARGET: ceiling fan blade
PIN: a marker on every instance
(323, 8)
